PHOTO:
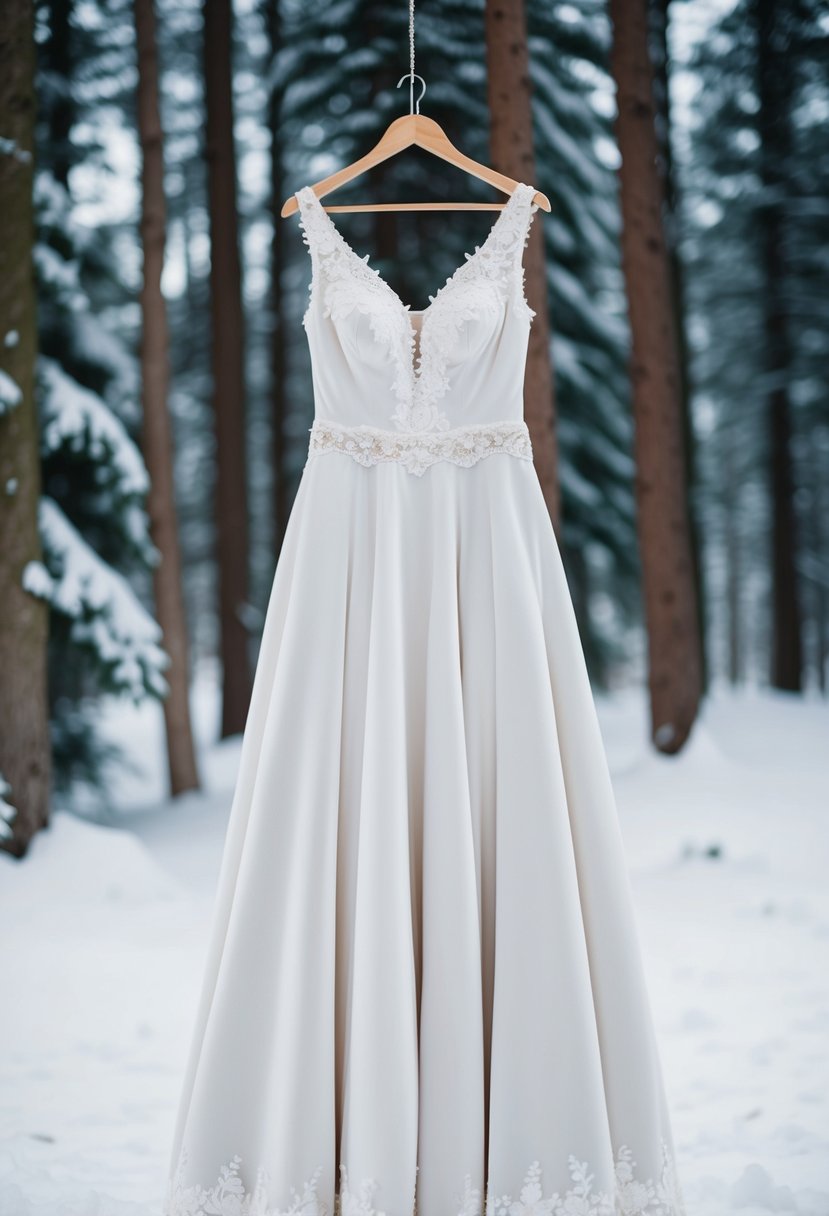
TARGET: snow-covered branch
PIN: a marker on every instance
(107, 616)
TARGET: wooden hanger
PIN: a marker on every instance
(414, 129)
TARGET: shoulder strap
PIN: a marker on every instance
(523, 227)
(501, 255)
(519, 234)
(521, 221)
(312, 223)
(329, 250)
(330, 253)
(312, 227)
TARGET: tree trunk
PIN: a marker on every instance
(281, 498)
(669, 590)
(511, 148)
(157, 433)
(228, 366)
(660, 10)
(24, 620)
(773, 93)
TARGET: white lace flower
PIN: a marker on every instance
(229, 1196)
(359, 1202)
(469, 1202)
(632, 1195)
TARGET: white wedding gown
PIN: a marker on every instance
(423, 988)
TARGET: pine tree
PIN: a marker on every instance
(774, 87)
(157, 438)
(93, 522)
(659, 21)
(674, 653)
(755, 176)
(577, 155)
(228, 367)
(188, 306)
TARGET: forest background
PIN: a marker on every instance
(155, 400)
(155, 379)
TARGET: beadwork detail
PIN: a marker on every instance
(418, 450)
(491, 277)
(632, 1195)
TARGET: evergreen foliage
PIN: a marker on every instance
(93, 524)
(725, 207)
(324, 97)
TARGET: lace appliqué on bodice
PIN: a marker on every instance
(343, 282)
(633, 1195)
(419, 450)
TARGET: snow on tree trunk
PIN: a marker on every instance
(228, 366)
(669, 590)
(512, 152)
(157, 432)
(24, 729)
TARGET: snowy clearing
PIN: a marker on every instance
(104, 928)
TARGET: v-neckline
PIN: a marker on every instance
(365, 259)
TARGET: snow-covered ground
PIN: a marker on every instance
(104, 928)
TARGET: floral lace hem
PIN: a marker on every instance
(632, 1195)
(419, 450)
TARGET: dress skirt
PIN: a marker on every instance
(423, 988)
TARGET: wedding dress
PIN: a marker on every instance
(423, 988)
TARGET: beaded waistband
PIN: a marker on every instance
(419, 450)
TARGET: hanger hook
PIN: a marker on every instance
(414, 107)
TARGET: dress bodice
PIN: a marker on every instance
(442, 383)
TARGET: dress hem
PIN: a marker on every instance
(633, 1195)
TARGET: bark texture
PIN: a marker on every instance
(512, 151)
(157, 432)
(659, 19)
(228, 367)
(669, 586)
(24, 725)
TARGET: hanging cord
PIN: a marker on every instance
(411, 76)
